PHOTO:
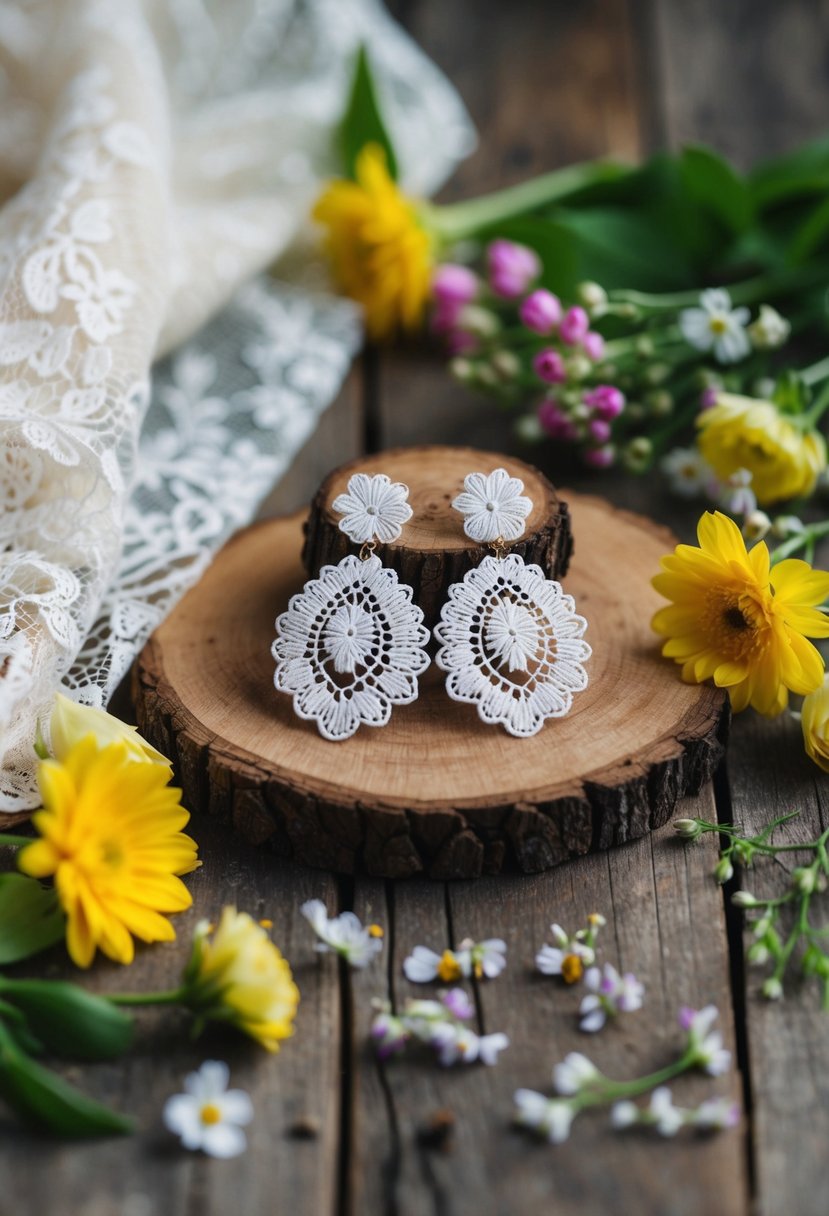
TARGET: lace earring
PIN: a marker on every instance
(510, 639)
(351, 643)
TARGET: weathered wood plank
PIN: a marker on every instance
(665, 922)
(147, 1174)
(788, 1041)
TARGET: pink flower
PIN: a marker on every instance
(555, 423)
(593, 345)
(600, 458)
(541, 311)
(512, 268)
(708, 399)
(453, 286)
(574, 326)
(607, 401)
(549, 366)
(599, 430)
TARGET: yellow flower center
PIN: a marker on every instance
(210, 1114)
(448, 967)
(718, 325)
(112, 854)
(572, 968)
(375, 931)
(736, 624)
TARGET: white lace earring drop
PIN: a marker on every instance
(510, 639)
(351, 643)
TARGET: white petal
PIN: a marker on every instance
(421, 966)
(236, 1107)
(224, 1140)
(181, 1116)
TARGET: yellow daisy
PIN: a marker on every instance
(745, 433)
(239, 976)
(814, 721)
(380, 251)
(740, 622)
(111, 837)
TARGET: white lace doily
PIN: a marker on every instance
(350, 646)
(512, 645)
(153, 157)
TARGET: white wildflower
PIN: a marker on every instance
(574, 1073)
(687, 473)
(717, 326)
(770, 330)
(706, 1044)
(549, 1117)
(208, 1115)
(609, 993)
(344, 935)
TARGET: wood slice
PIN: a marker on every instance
(436, 791)
(433, 550)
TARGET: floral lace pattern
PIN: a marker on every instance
(493, 506)
(512, 645)
(350, 646)
(153, 158)
(373, 507)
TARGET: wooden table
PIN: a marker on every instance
(547, 83)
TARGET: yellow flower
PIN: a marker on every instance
(71, 722)
(111, 837)
(814, 721)
(380, 251)
(740, 622)
(241, 977)
(745, 433)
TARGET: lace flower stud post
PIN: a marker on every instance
(351, 643)
(510, 640)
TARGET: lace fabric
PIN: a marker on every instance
(154, 157)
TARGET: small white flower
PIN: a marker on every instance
(483, 960)
(568, 957)
(738, 498)
(373, 507)
(772, 989)
(344, 935)
(458, 1044)
(550, 1117)
(624, 1114)
(688, 474)
(756, 525)
(665, 1117)
(390, 1034)
(709, 1053)
(715, 1114)
(492, 506)
(574, 1073)
(787, 525)
(609, 993)
(717, 326)
(770, 330)
(208, 1115)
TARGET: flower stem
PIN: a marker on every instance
(801, 540)
(750, 291)
(815, 372)
(460, 221)
(173, 997)
(610, 1091)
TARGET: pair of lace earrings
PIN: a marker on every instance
(352, 643)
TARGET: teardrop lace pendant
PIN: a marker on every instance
(512, 644)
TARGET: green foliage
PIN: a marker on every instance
(66, 1020)
(30, 918)
(362, 123)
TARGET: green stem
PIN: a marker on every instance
(750, 291)
(460, 221)
(815, 372)
(173, 997)
(611, 1091)
(800, 541)
(15, 842)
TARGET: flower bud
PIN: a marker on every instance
(757, 525)
(462, 370)
(541, 311)
(744, 899)
(761, 927)
(512, 268)
(723, 870)
(787, 525)
(758, 954)
(660, 403)
(478, 321)
(600, 458)
(814, 722)
(528, 428)
(644, 347)
(772, 989)
(688, 829)
(638, 454)
(592, 295)
(578, 367)
(657, 373)
(593, 345)
(549, 366)
(574, 326)
(606, 400)
(71, 722)
(599, 430)
(454, 285)
(506, 364)
(770, 330)
(804, 879)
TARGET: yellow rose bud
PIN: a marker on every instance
(746, 433)
(239, 976)
(71, 722)
(814, 720)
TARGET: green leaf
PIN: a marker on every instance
(68, 1020)
(30, 918)
(712, 182)
(45, 1099)
(362, 122)
(811, 234)
(797, 174)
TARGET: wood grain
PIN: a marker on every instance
(665, 922)
(435, 790)
(433, 551)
